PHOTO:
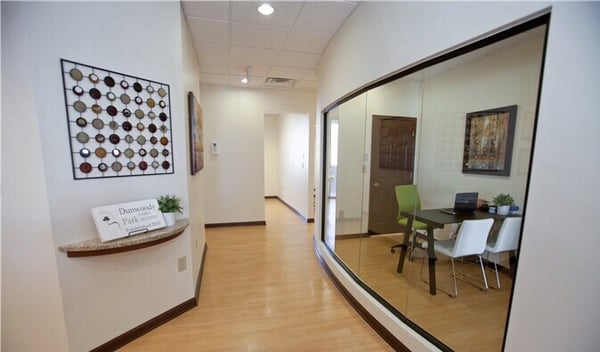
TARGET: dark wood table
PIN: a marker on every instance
(435, 219)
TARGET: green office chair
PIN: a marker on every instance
(408, 199)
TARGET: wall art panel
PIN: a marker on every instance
(119, 125)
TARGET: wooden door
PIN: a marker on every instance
(392, 163)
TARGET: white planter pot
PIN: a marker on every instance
(503, 209)
(169, 218)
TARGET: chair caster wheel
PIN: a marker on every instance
(392, 250)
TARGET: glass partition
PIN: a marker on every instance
(345, 165)
(413, 131)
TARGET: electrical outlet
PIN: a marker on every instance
(181, 264)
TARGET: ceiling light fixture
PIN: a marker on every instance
(266, 9)
(246, 79)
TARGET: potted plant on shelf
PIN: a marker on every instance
(169, 205)
(503, 203)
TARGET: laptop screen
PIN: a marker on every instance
(466, 202)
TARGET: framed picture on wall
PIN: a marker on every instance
(489, 138)
(196, 140)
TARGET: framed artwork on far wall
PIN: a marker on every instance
(489, 138)
(196, 140)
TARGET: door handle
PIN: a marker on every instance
(376, 184)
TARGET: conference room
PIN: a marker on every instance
(402, 150)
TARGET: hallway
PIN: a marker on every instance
(264, 290)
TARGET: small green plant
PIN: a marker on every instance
(503, 199)
(169, 204)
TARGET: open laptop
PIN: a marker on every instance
(464, 203)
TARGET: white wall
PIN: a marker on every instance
(272, 143)
(556, 311)
(294, 161)
(298, 102)
(234, 187)
(509, 77)
(191, 83)
(31, 298)
(440, 103)
(350, 163)
(83, 302)
(556, 263)
(233, 178)
(385, 34)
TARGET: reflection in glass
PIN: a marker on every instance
(412, 131)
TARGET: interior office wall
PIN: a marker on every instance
(393, 27)
(293, 161)
(191, 83)
(102, 297)
(31, 298)
(272, 155)
(509, 77)
(234, 177)
(234, 174)
(565, 173)
(384, 37)
(351, 160)
(299, 102)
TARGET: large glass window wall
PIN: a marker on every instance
(412, 130)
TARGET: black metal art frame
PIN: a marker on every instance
(119, 125)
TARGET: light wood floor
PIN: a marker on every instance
(264, 290)
(473, 321)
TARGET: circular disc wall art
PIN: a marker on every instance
(111, 116)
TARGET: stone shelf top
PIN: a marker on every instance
(95, 247)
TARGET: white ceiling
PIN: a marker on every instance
(231, 36)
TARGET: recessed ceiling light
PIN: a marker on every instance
(266, 9)
(244, 80)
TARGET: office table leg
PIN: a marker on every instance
(431, 260)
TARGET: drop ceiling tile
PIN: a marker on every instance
(257, 81)
(212, 54)
(213, 79)
(308, 85)
(308, 42)
(220, 68)
(229, 36)
(287, 72)
(311, 76)
(324, 16)
(255, 70)
(251, 56)
(207, 9)
(209, 32)
(294, 59)
(267, 37)
(285, 13)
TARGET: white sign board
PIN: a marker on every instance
(127, 219)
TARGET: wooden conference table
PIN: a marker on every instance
(435, 219)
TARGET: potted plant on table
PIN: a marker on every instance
(169, 205)
(503, 203)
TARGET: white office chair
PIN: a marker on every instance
(508, 240)
(470, 240)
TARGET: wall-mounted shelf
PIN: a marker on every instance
(96, 247)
